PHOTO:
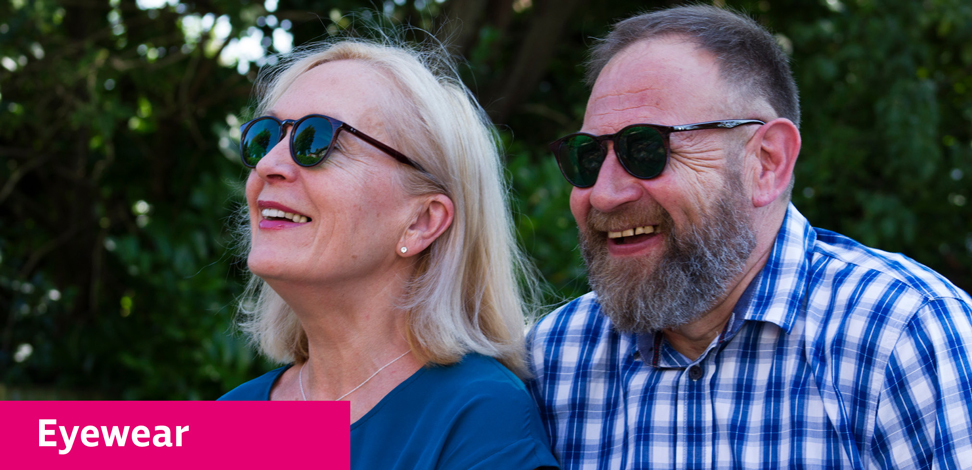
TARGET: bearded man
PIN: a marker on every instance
(723, 330)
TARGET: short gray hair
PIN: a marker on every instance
(468, 294)
(748, 54)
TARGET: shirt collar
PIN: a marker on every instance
(778, 290)
(775, 295)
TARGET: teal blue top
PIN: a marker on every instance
(471, 415)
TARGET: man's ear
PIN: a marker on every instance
(434, 217)
(777, 145)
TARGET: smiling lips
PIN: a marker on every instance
(647, 230)
(276, 214)
(621, 237)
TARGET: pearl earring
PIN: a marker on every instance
(404, 250)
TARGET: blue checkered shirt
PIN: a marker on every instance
(836, 356)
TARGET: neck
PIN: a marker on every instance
(353, 328)
(694, 338)
(340, 312)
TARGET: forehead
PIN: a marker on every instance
(666, 81)
(349, 90)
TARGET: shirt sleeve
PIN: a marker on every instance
(924, 414)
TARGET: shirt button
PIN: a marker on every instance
(695, 372)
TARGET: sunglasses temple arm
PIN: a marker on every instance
(729, 124)
(384, 148)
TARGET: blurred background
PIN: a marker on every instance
(119, 169)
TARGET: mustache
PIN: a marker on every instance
(628, 216)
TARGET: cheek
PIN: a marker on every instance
(689, 191)
(693, 205)
(253, 186)
(580, 204)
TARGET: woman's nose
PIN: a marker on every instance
(277, 164)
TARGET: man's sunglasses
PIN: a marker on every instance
(312, 139)
(642, 149)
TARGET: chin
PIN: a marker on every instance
(265, 266)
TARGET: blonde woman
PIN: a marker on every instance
(385, 266)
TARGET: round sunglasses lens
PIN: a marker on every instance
(260, 137)
(312, 137)
(580, 157)
(641, 150)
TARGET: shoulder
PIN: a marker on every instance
(257, 389)
(497, 424)
(442, 392)
(477, 367)
(837, 252)
(574, 337)
(869, 311)
(579, 316)
(477, 381)
(472, 414)
(852, 285)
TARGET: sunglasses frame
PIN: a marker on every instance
(337, 126)
(665, 131)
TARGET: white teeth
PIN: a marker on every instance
(647, 229)
(277, 213)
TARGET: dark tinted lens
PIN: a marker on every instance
(580, 157)
(312, 137)
(641, 150)
(260, 137)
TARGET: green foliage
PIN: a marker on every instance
(119, 177)
(546, 229)
(115, 269)
(886, 156)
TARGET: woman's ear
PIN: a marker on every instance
(778, 147)
(434, 217)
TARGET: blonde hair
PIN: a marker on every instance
(468, 291)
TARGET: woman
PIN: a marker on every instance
(385, 265)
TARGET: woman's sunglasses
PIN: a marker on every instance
(642, 149)
(311, 139)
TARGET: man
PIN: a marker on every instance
(724, 331)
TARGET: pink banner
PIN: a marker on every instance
(174, 435)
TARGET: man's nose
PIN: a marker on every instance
(614, 186)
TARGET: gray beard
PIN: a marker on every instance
(692, 276)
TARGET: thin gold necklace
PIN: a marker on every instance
(300, 377)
